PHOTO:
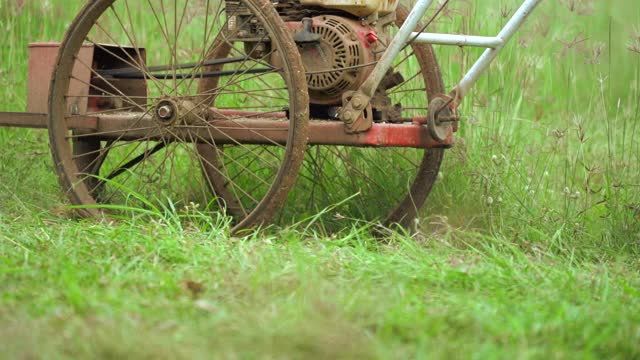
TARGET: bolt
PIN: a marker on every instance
(165, 112)
(357, 102)
(347, 116)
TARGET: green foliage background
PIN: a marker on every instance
(528, 246)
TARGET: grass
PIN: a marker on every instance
(528, 246)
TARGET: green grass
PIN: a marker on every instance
(528, 246)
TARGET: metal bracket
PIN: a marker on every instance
(357, 115)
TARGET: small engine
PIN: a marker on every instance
(337, 55)
(338, 49)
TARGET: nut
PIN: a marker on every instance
(165, 112)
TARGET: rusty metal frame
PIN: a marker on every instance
(225, 126)
(232, 130)
(245, 131)
(23, 120)
(244, 128)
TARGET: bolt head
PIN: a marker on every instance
(357, 103)
(348, 116)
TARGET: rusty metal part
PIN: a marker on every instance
(362, 9)
(364, 119)
(306, 36)
(380, 105)
(441, 116)
(40, 121)
(23, 120)
(348, 113)
(262, 131)
(343, 44)
(258, 52)
(384, 109)
(166, 112)
(87, 152)
(42, 58)
(293, 10)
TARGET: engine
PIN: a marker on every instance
(337, 47)
(339, 57)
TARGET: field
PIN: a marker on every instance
(528, 247)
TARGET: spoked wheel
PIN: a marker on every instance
(133, 123)
(388, 185)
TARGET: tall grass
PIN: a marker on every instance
(549, 145)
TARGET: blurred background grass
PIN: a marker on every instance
(528, 244)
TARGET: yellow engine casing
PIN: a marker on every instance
(360, 8)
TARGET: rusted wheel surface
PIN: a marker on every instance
(387, 185)
(147, 93)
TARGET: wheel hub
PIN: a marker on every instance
(170, 112)
(442, 115)
(166, 112)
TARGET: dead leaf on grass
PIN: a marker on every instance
(194, 287)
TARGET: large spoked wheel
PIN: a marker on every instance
(133, 123)
(388, 185)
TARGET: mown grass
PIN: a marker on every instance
(528, 247)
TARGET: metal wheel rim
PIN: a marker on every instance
(62, 152)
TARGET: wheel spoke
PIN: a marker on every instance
(135, 161)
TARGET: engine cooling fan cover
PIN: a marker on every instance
(335, 64)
